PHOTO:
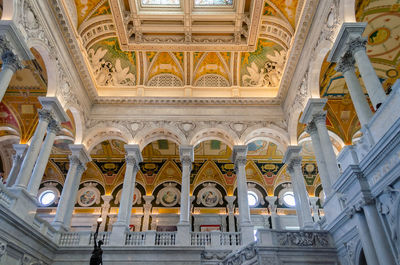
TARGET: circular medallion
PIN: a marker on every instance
(392, 73)
(88, 195)
(87, 198)
(210, 198)
(378, 36)
(168, 196)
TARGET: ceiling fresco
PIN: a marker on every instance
(114, 66)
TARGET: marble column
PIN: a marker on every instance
(293, 159)
(380, 241)
(10, 65)
(346, 66)
(187, 157)
(246, 227)
(365, 238)
(78, 160)
(105, 208)
(18, 157)
(272, 207)
(121, 226)
(45, 116)
(147, 211)
(327, 150)
(314, 112)
(231, 212)
(367, 71)
(43, 159)
(52, 110)
(323, 171)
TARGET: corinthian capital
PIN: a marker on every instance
(311, 128)
(356, 44)
(186, 154)
(346, 63)
(320, 117)
(45, 115)
(132, 161)
(11, 61)
(54, 126)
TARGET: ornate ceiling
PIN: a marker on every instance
(185, 48)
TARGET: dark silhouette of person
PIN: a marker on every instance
(97, 254)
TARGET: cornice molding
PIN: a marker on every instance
(186, 101)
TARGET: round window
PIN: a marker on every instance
(252, 198)
(47, 197)
(288, 199)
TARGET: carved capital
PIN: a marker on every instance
(311, 128)
(320, 117)
(132, 161)
(10, 60)
(74, 160)
(294, 162)
(346, 63)
(45, 115)
(186, 161)
(357, 44)
(54, 127)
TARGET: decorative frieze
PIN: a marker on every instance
(303, 239)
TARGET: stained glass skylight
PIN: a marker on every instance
(213, 2)
(160, 2)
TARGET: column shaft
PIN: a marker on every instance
(43, 158)
(381, 244)
(303, 197)
(367, 71)
(366, 240)
(17, 161)
(33, 149)
(5, 78)
(67, 199)
(128, 188)
(243, 203)
(323, 171)
(361, 105)
(327, 150)
(185, 193)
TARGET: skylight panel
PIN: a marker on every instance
(160, 3)
(213, 2)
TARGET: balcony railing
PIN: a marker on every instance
(200, 238)
(69, 239)
(230, 239)
(165, 238)
(135, 239)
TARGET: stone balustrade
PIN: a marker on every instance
(200, 238)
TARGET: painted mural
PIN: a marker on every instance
(264, 66)
(110, 65)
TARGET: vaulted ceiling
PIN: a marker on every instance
(184, 48)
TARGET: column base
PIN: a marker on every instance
(118, 233)
(247, 231)
(183, 234)
(25, 205)
(60, 227)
